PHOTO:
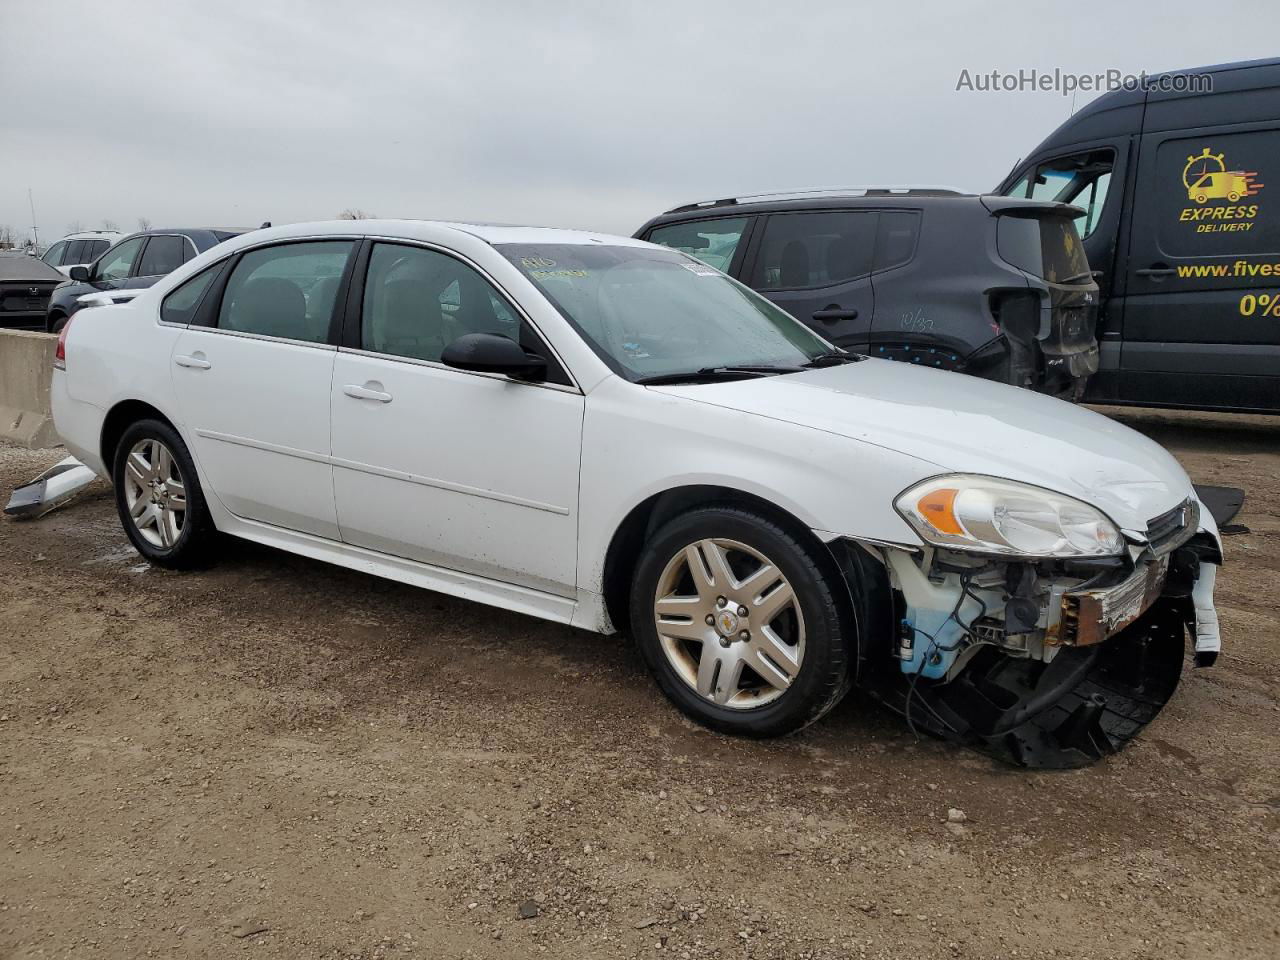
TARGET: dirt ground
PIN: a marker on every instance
(275, 758)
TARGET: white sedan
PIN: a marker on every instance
(612, 435)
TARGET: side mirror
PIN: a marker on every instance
(491, 353)
(80, 273)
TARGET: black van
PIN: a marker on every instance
(1182, 231)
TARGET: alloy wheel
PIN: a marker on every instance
(154, 493)
(729, 623)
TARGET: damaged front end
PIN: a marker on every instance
(1048, 663)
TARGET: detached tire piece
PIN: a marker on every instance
(158, 497)
(739, 624)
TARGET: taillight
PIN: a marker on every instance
(60, 354)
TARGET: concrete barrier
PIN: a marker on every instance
(26, 364)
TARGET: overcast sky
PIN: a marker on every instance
(583, 114)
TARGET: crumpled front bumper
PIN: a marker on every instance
(1106, 658)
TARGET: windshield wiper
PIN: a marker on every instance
(834, 358)
(743, 372)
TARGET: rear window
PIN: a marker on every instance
(1048, 247)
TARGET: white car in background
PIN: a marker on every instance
(80, 249)
(613, 435)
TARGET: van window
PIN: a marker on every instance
(814, 249)
(714, 242)
(1081, 179)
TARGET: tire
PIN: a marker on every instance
(179, 538)
(784, 672)
(57, 322)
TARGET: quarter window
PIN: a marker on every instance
(896, 235)
(180, 305)
(814, 249)
(418, 301)
(118, 262)
(714, 242)
(285, 291)
(162, 256)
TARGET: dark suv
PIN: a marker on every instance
(992, 286)
(138, 260)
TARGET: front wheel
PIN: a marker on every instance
(739, 624)
(158, 496)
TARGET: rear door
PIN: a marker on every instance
(817, 266)
(252, 375)
(1202, 310)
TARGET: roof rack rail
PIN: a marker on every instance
(916, 190)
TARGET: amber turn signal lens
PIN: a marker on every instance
(937, 508)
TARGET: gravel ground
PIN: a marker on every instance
(275, 758)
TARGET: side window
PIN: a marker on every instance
(714, 242)
(162, 256)
(93, 249)
(119, 260)
(418, 301)
(53, 256)
(1081, 179)
(896, 235)
(181, 303)
(285, 291)
(75, 252)
(814, 249)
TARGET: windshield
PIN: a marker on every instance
(652, 313)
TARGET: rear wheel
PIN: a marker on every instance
(56, 322)
(158, 496)
(738, 623)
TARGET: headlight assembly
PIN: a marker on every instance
(979, 514)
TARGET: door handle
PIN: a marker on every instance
(195, 362)
(1156, 271)
(834, 311)
(370, 391)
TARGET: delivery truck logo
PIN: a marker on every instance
(1206, 178)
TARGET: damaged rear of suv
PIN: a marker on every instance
(992, 286)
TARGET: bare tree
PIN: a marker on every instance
(6, 237)
(109, 225)
(144, 223)
(75, 226)
(355, 213)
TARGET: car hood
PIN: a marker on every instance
(962, 424)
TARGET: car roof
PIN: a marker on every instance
(897, 200)
(92, 235)
(491, 233)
